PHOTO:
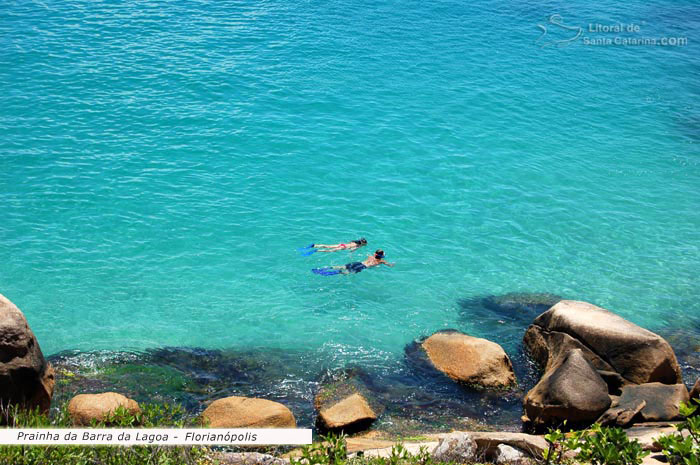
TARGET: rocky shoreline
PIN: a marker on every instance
(595, 367)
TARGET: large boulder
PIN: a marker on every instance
(608, 341)
(661, 401)
(26, 378)
(572, 390)
(246, 412)
(84, 408)
(470, 360)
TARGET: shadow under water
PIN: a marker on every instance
(413, 396)
(514, 310)
(412, 400)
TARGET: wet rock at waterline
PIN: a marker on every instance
(84, 408)
(343, 402)
(26, 378)
(245, 412)
(608, 341)
(686, 345)
(407, 401)
(469, 360)
(571, 390)
(350, 414)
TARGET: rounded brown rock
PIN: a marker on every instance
(247, 412)
(470, 360)
(84, 408)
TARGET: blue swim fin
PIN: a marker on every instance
(326, 271)
(308, 250)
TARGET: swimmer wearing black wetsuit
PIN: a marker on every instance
(371, 261)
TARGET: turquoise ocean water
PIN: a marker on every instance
(160, 162)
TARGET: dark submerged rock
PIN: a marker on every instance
(406, 400)
(516, 308)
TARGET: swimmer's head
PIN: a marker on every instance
(379, 254)
(361, 241)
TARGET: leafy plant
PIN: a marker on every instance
(398, 454)
(424, 457)
(607, 446)
(150, 416)
(559, 444)
(682, 448)
(597, 445)
(331, 451)
(554, 453)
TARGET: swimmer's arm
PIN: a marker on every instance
(384, 262)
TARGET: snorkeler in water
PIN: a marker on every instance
(355, 267)
(350, 246)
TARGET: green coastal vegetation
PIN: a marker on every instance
(151, 416)
(596, 445)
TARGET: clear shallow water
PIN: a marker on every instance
(162, 162)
